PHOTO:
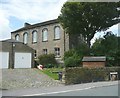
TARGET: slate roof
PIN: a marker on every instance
(37, 25)
(94, 58)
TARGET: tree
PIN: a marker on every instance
(108, 46)
(87, 18)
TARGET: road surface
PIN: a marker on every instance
(87, 89)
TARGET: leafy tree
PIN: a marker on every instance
(108, 46)
(87, 18)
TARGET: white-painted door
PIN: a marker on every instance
(4, 59)
(22, 60)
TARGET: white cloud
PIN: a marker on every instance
(4, 27)
(33, 9)
(27, 11)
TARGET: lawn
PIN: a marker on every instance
(52, 72)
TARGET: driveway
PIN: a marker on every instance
(26, 78)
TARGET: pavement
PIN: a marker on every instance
(54, 90)
(25, 78)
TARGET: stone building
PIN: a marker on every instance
(45, 38)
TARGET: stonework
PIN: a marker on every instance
(63, 43)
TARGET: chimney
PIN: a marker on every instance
(26, 24)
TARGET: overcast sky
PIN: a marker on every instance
(14, 13)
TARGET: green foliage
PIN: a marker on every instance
(108, 46)
(73, 57)
(84, 75)
(73, 61)
(48, 61)
(87, 18)
(52, 72)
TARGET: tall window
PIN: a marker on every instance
(34, 36)
(17, 37)
(57, 33)
(25, 38)
(44, 51)
(57, 52)
(45, 35)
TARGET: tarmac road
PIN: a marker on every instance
(88, 89)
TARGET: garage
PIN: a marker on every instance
(15, 54)
(4, 58)
(22, 60)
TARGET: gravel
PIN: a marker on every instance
(26, 78)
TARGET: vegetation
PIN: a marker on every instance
(47, 60)
(52, 72)
(73, 58)
(84, 75)
(108, 46)
(87, 18)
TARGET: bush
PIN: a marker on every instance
(83, 75)
(73, 57)
(48, 61)
(72, 62)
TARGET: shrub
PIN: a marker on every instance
(72, 62)
(73, 57)
(48, 61)
(78, 75)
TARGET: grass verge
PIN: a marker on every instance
(52, 72)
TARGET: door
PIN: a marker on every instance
(4, 59)
(22, 60)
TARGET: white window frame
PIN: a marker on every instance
(57, 51)
(25, 38)
(17, 37)
(57, 32)
(34, 36)
(45, 35)
(45, 51)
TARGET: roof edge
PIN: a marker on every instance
(37, 25)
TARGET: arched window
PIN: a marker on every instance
(25, 38)
(57, 32)
(34, 36)
(44, 35)
(17, 37)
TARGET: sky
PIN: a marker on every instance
(14, 13)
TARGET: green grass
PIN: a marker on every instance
(52, 72)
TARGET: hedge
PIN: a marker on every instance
(83, 75)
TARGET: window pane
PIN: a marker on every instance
(44, 35)
(57, 33)
(17, 37)
(34, 36)
(44, 51)
(57, 52)
(25, 38)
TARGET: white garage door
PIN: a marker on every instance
(22, 60)
(4, 59)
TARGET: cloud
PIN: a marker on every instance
(33, 9)
(4, 28)
(114, 30)
(27, 11)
